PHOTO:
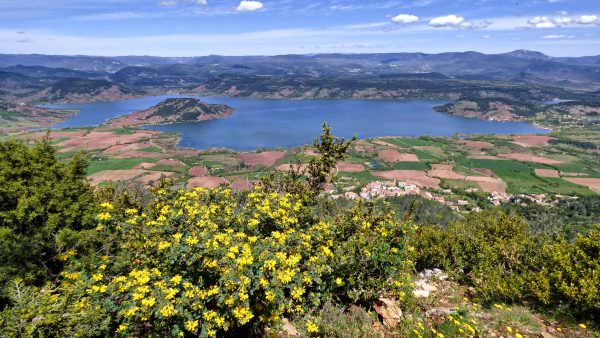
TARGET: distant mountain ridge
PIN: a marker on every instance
(519, 65)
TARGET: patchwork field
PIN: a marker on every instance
(449, 167)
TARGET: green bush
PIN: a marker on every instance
(494, 253)
(45, 207)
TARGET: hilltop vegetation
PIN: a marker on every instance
(175, 110)
(273, 260)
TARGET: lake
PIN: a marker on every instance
(265, 123)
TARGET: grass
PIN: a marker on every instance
(458, 184)
(171, 168)
(122, 131)
(115, 164)
(521, 179)
(407, 142)
(409, 166)
(429, 156)
(363, 177)
(152, 149)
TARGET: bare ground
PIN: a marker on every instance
(266, 158)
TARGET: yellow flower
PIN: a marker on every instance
(583, 326)
(192, 240)
(168, 311)
(311, 327)
(509, 329)
(131, 311)
(518, 335)
(339, 281)
(148, 302)
(176, 280)
(163, 245)
(270, 264)
(104, 216)
(191, 325)
(122, 327)
(270, 296)
(97, 277)
(297, 293)
(107, 206)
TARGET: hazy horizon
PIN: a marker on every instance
(290, 54)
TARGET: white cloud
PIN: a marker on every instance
(201, 2)
(447, 21)
(562, 20)
(557, 37)
(541, 22)
(588, 19)
(249, 6)
(454, 21)
(405, 18)
(168, 3)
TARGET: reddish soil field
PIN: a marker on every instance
(115, 175)
(243, 185)
(119, 148)
(392, 155)
(266, 159)
(56, 134)
(303, 167)
(592, 183)
(130, 150)
(414, 176)
(198, 171)
(209, 182)
(446, 174)
(531, 140)
(145, 165)
(154, 177)
(547, 173)
(309, 152)
(476, 144)
(176, 163)
(524, 157)
(349, 167)
(102, 140)
(442, 166)
(363, 147)
(488, 184)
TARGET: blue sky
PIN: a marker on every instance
(234, 27)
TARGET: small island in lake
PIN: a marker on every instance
(174, 110)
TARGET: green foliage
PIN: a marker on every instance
(45, 206)
(494, 253)
(331, 149)
(208, 262)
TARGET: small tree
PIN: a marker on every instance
(331, 149)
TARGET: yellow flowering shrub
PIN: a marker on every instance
(208, 262)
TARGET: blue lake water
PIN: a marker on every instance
(264, 123)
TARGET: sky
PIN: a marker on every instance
(269, 27)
